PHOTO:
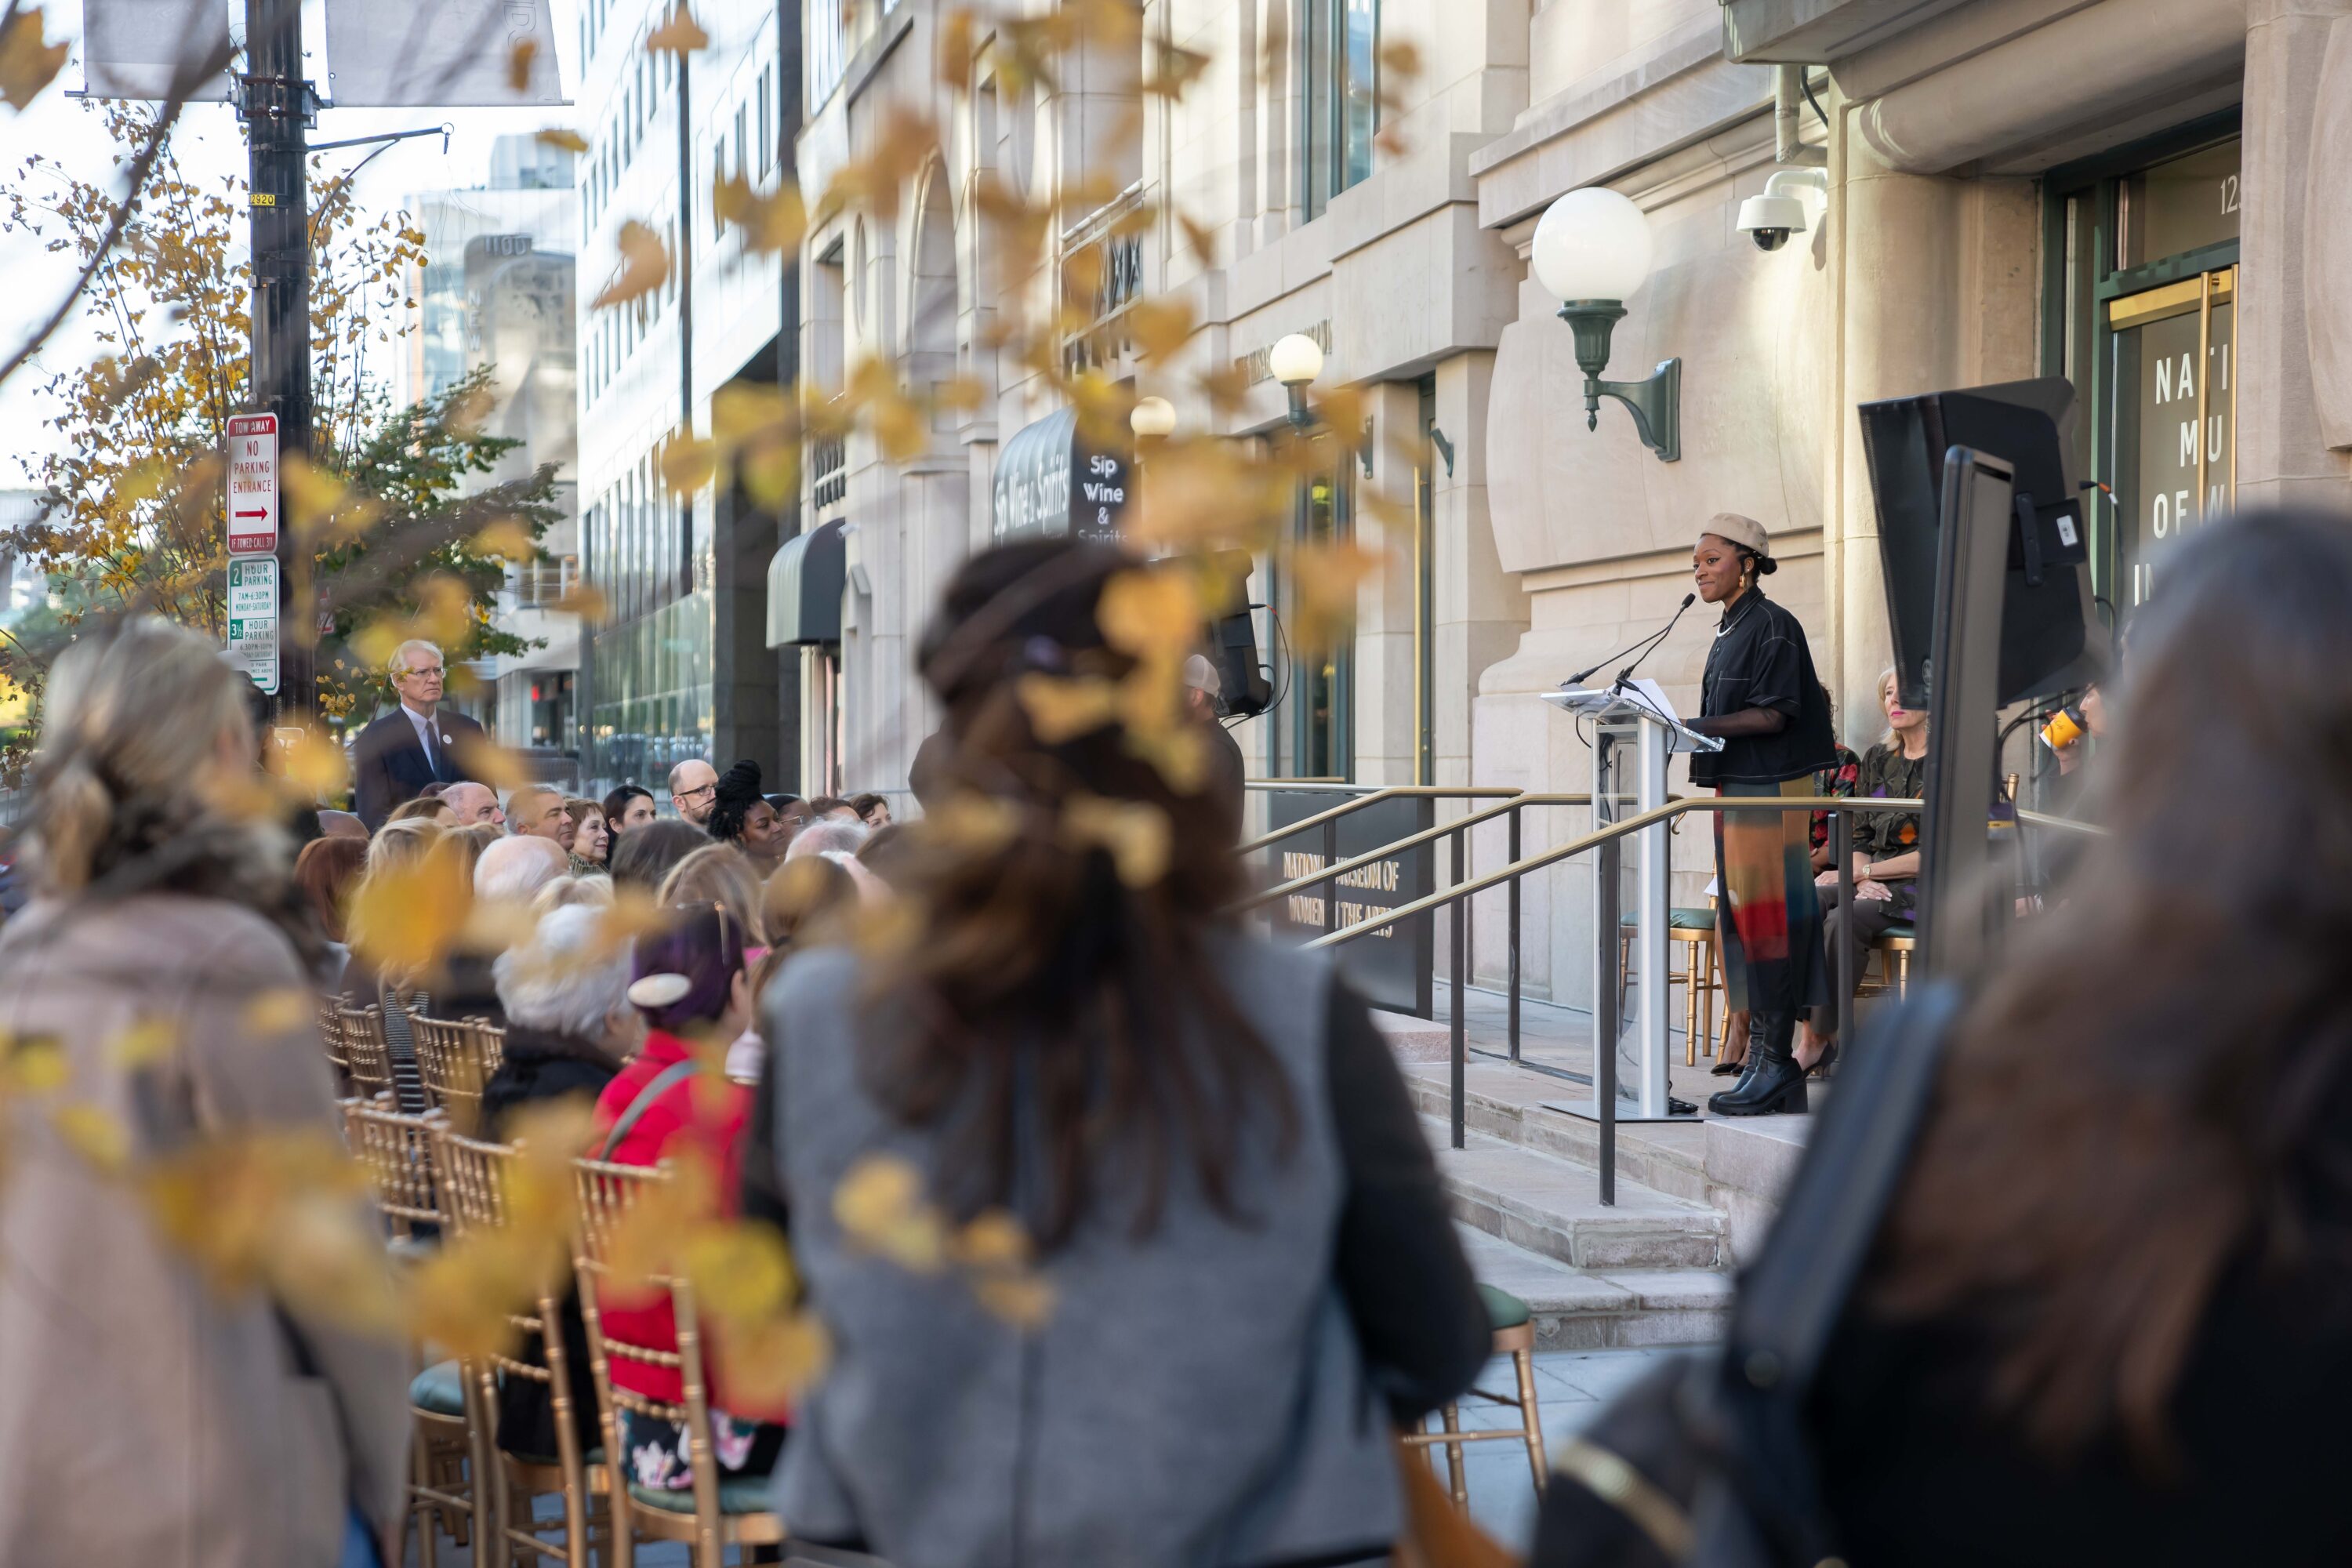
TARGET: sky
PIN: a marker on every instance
(71, 132)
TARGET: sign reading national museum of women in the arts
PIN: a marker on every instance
(1392, 967)
(1050, 480)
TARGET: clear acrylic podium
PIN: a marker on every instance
(1635, 732)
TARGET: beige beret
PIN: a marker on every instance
(1744, 531)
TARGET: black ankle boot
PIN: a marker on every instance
(1777, 1082)
(1747, 1060)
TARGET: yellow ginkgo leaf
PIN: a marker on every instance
(34, 1064)
(1152, 612)
(740, 1269)
(147, 1041)
(681, 35)
(1023, 1301)
(687, 464)
(880, 1206)
(1162, 327)
(27, 64)
(994, 1239)
(1136, 835)
(278, 1011)
(519, 60)
(644, 266)
(94, 1133)
(570, 140)
(586, 601)
(509, 538)
(1061, 710)
(405, 917)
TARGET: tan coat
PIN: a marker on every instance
(144, 1417)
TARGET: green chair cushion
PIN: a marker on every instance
(1504, 1310)
(439, 1389)
(1902, 928)
(737, 1494)
(1684, 917)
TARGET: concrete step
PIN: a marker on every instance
(1506, 1102)
(1552, 1207)
(1575, 1308)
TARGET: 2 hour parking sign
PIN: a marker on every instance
(253, 618)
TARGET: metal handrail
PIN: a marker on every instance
(1410, 841)
(1358, 803)
(1607, 840)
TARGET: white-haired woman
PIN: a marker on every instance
(150, 1417)
(568, 1029)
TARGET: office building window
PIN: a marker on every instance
(1338, 43)
(767, 126)
(743, 163)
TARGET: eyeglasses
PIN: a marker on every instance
(431, 672)
(703, 789)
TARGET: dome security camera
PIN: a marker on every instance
(1770, 218)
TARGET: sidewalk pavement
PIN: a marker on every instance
(1572, 1387)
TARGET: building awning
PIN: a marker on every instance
(1050, 480)
(804, 585)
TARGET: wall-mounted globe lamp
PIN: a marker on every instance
(1591, 251)
(1295, 361)
(1152, 418)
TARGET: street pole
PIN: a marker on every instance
(276, 110)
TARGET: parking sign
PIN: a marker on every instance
(252, 484)
(253, 618)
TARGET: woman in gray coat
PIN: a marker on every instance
(151, 1415)
(1250, 1268)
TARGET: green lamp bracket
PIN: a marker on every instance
(1656, 403)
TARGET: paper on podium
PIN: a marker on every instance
(1642, 695)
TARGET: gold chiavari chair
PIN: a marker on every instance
(449, 1060)
(1512, 1324)
(330, 1036)
(397, 1151)
(476, 1179)
(367, 1052)
(715, 1514)
(490, 1043)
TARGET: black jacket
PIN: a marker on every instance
(539, 1066)
(388, 765)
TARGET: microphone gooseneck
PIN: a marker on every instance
(1641, 646)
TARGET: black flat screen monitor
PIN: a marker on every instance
(2050, 639)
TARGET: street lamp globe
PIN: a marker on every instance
(1295, 360)
(1152, 417)
(1591, 244)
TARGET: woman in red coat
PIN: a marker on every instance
(692, 990)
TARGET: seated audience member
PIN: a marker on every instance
(834, 808)
(535, 811)
(692, 990)
(429, 808)
(565, 892)
(511, 871)
(474, 803)
(743, 818)
(342, 825)
(327, 870)
(646, 854)
(630, 807)
(717, 874)
(873, 810)
(568, 1029)
(833, 836)
(592, 839)
(1885, 850)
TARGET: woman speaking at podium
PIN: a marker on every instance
(1761, 698)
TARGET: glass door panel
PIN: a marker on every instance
(2175, 419)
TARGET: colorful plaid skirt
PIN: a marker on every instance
(1768, 917)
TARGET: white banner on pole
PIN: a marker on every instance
(134, 48)
(439, 54)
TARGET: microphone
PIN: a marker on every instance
(1626, 674)
(1581, 676)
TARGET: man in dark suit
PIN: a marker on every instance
(415, 744)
